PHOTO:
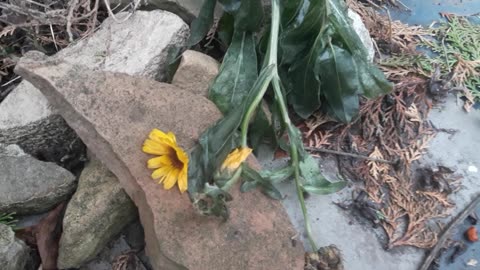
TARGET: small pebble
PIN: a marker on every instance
(472, 168)
(472, 262)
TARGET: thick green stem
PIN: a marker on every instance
(272, 59)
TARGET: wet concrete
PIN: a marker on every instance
(361, 244)
(424, 12)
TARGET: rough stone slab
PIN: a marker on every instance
(113, 113)
(196, 72)
(28, 185)
(85, 233)
(14, 254)
(362, 32)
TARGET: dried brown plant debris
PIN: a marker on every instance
(390, 36)
(393, 127)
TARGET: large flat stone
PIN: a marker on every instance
(113, 113)
(97, 212)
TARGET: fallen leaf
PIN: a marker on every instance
(48, 233)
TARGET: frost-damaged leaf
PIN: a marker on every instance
(325, 189)
(266, 187)
(372, 80)
(225, 29)
(237, 73)
(305, 82)
(290, 10)
(340, 82)
(314, 180)
(249, 16)
(202, 24)
(302, 31)
(217, 141)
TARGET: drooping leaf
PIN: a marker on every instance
(225, 29)
(217, 141)
(266, 187)
(328, 188)
(300, 34)
(238, 73)
(248, 185)
(249, 16)
(337, 69)
(202, 24)
(305, 83)
(290, 10)
(372, 81)
(260, 129)
(277, 176)
(314, 180)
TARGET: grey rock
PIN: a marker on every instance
(196, 72)
(14, 254)
(186, 9)
(23, 106)
(142, 46)
(97, 212)
(362, 32)
(11, 150)
(28, 185)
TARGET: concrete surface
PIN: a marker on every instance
(360, 243)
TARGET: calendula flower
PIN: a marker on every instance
(171, 165)
(236, 158)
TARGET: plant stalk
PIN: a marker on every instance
(272, 59)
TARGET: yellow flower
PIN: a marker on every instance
(171, 165)
(236, 158)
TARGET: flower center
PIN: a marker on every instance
(176, 162)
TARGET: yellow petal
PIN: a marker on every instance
(236, 158)
(161, 173)
(171, 179)
(158, 162)
(161, 137)
(183, 180)
(155, 148)
(172, 137)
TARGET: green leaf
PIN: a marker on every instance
(372, 81)
(259, 129)
(248, 185)
(202, 24)
(225, 29)
(277, 176)
(315, 182)
(266, 187)
(325, 189)
(238, 73)
(298, 36)
(249, 16)
(337, 69)
(290, 10)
